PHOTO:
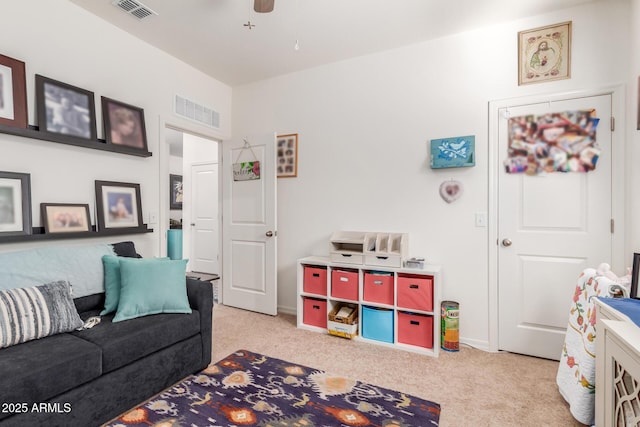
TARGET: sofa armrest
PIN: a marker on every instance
(200, 295)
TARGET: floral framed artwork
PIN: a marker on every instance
(65, 217)
(15, 204)
(175, 191)
(65, 110)
(544, 53)
(287, 162)
(118, 205)
(124, 124)
(13, 93)
(453, 152)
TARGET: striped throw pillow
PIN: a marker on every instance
(30, 313)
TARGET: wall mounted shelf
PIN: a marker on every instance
(96, 144)
(38, 234)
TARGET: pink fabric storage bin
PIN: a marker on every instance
(415, 292)
(314, 312)
(344, 284)
(315, 280)
(378, 288)
(415, 329)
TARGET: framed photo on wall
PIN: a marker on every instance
(287, 162)
(175, 191)
(124, 124)
(118, 205)
(65, 217)
(13, 93)
(544, 53)
(65, 110)
(635, 272)
(15, 204)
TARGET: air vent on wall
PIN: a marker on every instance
(196, 112)
(134, 8)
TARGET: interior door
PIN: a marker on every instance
(205, 233)
(550, 226)
(249, 270)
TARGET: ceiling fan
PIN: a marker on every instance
(263, 6)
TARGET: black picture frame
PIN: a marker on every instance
(65, 110)
(15, 204)
(635, 272)
(13, 93)
(65, 218)
(124, 125)
(175, 191)
(118, 205)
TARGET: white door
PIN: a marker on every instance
(550, 227)
(205, 233)
(249, 269)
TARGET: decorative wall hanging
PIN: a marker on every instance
(453, 152)
(246, 171)
(65, 217)
(288, 155)
(15, 203)
(124, 124)
(175, 191)
(553, 142)
(64, 109)
(544, 54)
(118, 205)
(451, 190)
(13, 93)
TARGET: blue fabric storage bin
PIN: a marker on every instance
(377, 324)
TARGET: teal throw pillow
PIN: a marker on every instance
(111, 266)
(151, 286)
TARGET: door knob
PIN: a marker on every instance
(269, 233)
(506, 242)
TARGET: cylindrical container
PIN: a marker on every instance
(174, 244)
(450, 336)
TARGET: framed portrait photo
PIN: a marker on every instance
(287, 161)
(118, 205)
(124, 124)
(13, 93)
(544, 54)
(15, 204)
(65, 110)
(65, 217)
(175, 191)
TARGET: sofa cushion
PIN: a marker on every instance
(126, 249)
(151, 286)
(125, 342)
(31, 313)
(37, 370)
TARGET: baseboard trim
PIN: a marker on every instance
(287, 310)
(480, 345)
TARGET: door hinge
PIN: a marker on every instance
(612, 225)
(613, 123)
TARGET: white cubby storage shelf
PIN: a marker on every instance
(388, 316)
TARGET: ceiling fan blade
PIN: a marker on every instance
(263, 6)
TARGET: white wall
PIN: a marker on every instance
(633, 135)
(364, 125)
(61, 41)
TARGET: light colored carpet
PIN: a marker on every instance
(473, 387)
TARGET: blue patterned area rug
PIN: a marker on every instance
(249, 389)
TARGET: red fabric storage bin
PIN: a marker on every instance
(314, 312)
(315, 280)
(378, 288)
(344, 284)
(415, 329)
(415, 292)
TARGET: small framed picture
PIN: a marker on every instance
(65, 110)
(544, 53)
(15, 204)
(118, 205)
(287, 162)
(124, 124)
(175, 191)
(635, 272)
(13, 93)
(65, 217)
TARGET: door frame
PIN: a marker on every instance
(617, 183)
(219, 216)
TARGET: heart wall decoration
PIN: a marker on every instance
(451, 190)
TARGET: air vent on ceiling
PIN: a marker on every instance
(134, 8)
(196, 112)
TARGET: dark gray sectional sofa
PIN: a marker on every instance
(88, 377)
